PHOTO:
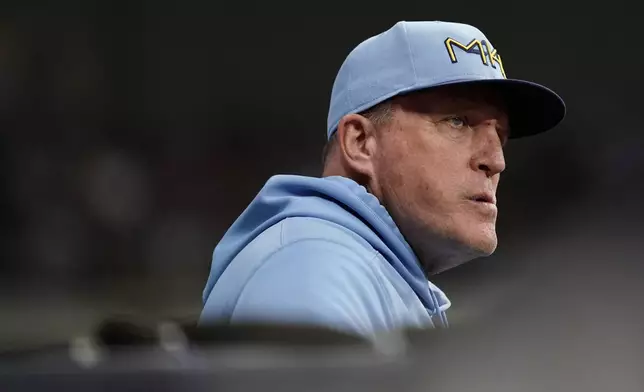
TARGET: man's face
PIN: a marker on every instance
(437, 169)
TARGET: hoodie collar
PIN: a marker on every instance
(382, 214)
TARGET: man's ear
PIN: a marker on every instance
(356, 138)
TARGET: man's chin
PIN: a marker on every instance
(485, 246)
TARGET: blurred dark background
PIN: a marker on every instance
(133, 133)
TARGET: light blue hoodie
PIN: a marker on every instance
(319, 251)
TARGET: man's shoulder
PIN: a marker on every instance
(322, 248)
(306, 245)
(310, 270)
(319, 273)
(315, 230)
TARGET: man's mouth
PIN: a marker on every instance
(484, 197)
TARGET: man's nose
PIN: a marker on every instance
(488, 155)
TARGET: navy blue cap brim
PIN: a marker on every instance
(532, 108)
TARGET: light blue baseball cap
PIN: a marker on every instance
(411, 56)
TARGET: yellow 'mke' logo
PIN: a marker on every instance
(488, 55)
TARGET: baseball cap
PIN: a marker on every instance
(411, 56)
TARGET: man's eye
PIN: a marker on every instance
(457, 122)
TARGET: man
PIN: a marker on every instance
(417, 122)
